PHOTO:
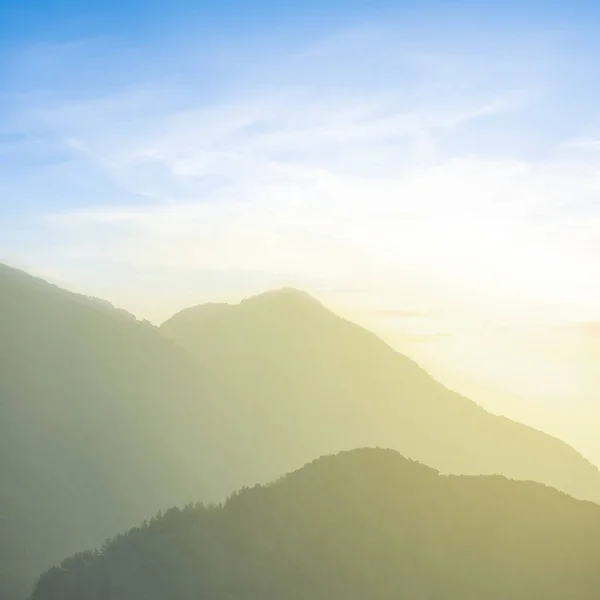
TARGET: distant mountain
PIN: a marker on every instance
(105, 419)
(311, 383)
(363, 524)
(102, 420)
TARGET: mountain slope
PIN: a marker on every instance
(312, 383)
(102, 420)
(363, 524)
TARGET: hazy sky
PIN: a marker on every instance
(430, 169)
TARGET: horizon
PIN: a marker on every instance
(429, 170)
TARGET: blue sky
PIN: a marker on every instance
(91, 92)
(136, 63)
(435, 158)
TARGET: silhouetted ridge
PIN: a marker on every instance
(102, 421)
(361, 524)
(379, 466)
(283, 300)
(312, 383)
(285, 297)
(10, 276)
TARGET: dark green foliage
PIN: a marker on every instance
(362, 524)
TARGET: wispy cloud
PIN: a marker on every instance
(586, 143)
(307, 165)
(377, 168)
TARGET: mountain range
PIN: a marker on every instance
(314, 383)
(105, 419)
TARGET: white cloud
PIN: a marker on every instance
(470, 223)
(356, 184)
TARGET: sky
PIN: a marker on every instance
(430, 170)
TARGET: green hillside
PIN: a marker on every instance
(362, 524)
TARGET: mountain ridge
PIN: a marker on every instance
(94, 405)
(363, 523)
(104, 419)
(282, 341)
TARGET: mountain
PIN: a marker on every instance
(105, 419)
(102, 420)
(311, 383)
(362, 524)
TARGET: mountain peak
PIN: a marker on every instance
(284, 296)
(366, 462)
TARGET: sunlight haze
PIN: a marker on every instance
(447, 199)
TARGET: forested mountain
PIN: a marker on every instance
(312, 383)
(362, 524)
(105, 419)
